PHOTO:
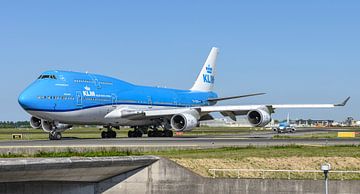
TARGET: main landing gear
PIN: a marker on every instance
(109, 133)
(154, 132)
(138, 132)
(54, 135)
(157, 133)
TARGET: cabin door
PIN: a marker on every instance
(150, 103)
(78, 98)
(113, 99)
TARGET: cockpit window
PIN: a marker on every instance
(47, 77)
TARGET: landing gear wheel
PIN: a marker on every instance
(108, 134)
(131, 134)
(136, 133)
(55, 136)
(112, 134)
(103, 134)
(168, 133)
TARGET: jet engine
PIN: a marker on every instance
(35, 123)
(48, 126)
(258, 118)
(185, 121)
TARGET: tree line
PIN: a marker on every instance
(15, 124)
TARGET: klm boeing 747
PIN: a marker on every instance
(59, 99)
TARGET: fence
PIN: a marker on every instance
(283, 174)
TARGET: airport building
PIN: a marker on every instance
(314, 123)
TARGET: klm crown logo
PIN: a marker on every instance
(87, 91)
(208, 77)
(209, 69)
(87, 88)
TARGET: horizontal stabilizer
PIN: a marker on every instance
(233, 97)
(343, 103)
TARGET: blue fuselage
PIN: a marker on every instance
(284, 125)
(63, 91)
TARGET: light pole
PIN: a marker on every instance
(326, 167)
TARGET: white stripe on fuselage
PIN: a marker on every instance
(95, 115)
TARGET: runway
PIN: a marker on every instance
(174, 142)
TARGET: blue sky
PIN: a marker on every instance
(295, 51)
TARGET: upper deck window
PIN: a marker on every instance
(47, 77)
(82, 81)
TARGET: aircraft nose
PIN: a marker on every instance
(25, 99)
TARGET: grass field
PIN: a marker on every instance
(320, 135)
(311, 136)
(274, 158)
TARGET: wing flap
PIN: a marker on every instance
(233, 97)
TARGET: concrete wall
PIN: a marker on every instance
(164, 176)
(47, 188)
(167, 177)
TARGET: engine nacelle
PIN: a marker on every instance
(185, 121)
(48, 126)
(258, 118)
(62, 127)
(35, 123)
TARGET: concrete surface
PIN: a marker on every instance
(92, 169)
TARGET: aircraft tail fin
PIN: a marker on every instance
(288, 118)
(206, 77)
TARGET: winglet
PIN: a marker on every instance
(343, 103)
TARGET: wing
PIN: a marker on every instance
(204, 111)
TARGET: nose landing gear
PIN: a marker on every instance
(54, 135)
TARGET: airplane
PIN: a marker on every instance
(285, 127)
(57, 100)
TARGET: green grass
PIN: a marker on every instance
(38, 134)
(274, 151)
(226, 152)
(327, 135)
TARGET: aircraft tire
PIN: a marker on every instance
(112, 134)
(159, 134)
(131, 134)
(138, 133)
(55, 136)
(168, 133)
(103, 134)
